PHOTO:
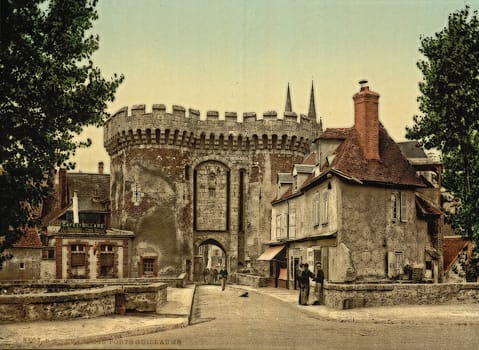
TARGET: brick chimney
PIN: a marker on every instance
(100, 167)
(62, 194)
(366, 121)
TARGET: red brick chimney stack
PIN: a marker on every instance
(100, 167)
(366, 120)
(62, 200)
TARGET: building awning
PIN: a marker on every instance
(271, 252)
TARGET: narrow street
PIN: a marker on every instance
(224, 320)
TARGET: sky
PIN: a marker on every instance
(240, 55)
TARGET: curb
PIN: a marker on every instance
(96, 338)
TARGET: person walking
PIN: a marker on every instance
(223, 275)
(319, 279)
(304, 284)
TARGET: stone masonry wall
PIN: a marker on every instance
(347, 296)
(168, 168)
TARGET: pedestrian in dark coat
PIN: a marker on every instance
(319, 279)
(223, 275)
(304, 284)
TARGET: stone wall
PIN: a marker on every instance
(179, 181)
(252, 280)
(52, 301)
(347, 296)
(58, 306)
(369, 235)
(145, 298)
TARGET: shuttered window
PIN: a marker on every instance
(403, 206)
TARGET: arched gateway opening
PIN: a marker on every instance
(210, 256)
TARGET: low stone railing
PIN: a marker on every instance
(256, 281)
(347, 296)
(57, 301)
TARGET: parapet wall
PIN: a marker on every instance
(187, 129)
(348, 296)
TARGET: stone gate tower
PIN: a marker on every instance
(179, 181)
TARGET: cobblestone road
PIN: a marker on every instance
(224, 320)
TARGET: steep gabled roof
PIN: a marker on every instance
(30, 239)
(392, 168)
(452, 247)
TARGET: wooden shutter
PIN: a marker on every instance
(403, 206)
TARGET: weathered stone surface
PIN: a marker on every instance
(344, 296)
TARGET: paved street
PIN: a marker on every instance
(226, 320)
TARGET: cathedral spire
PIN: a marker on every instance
(312, 106)
(288, 107)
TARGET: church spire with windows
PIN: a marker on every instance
(288, 107)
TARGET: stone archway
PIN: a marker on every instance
(210, 257)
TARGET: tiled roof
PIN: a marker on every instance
(426, 207)
(310, 159)
(452, 247)
(288, 193)
(335, 133)
(30, 239)
(392, 168)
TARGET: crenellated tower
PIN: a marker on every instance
(179, 180)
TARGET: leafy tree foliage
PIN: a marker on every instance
(50, 90)
(449, 103)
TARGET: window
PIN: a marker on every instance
(317, 256)
(48, 253)
(316, 210)
(77, 248)
(403, 206)
(78, 256)
(325, 211)
(22, 266)
(106, 248)
(278, 226)
(292, 223)
(394, 207)
(148, 266)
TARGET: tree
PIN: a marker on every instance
(49, 91)
(449, 103)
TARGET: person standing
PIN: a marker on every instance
(223, 275)
(319, 279)
(304, 284)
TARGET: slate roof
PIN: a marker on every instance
(392, 169)
(411, 149)
(93, 190)
(452, 246)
